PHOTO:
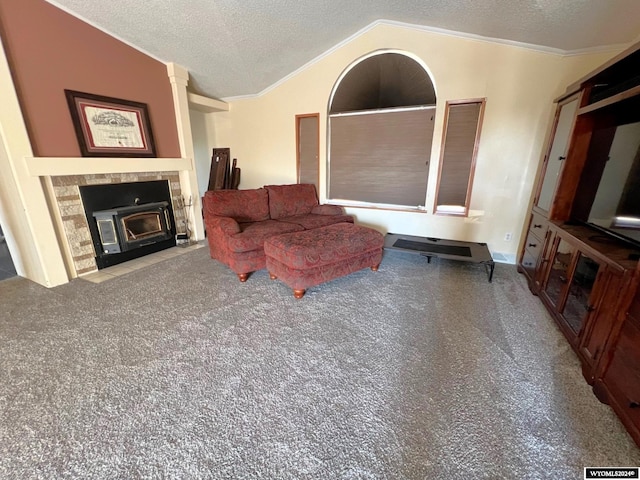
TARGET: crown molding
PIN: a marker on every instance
(252, 95)
(614, 48)
(439, 31)
(472, 36)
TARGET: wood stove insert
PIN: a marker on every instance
(127, 228)
(128, 220)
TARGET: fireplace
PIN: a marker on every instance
(128, 220)
(127, 228)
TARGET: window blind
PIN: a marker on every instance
(462, 127)
(381, 157)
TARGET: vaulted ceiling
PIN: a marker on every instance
(241, 47)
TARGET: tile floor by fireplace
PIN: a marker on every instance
(138, 263)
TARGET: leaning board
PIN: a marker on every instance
(442, 248)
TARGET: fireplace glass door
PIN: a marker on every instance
(142, 225)
(128, 228)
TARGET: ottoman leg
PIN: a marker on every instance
(243, 277)
(272, 276)
(375, 268)
(299, 293)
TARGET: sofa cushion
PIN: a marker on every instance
(311, 220)
(323, 246)
(290, 200)
(327, 210)
(254, 234)
(241, 205)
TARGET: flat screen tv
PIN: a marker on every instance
(608, 195)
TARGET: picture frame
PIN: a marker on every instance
(110, 127)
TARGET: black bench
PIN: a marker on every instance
(442, 248)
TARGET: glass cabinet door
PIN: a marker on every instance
(559, 270)
(577, 306)
(557, 153)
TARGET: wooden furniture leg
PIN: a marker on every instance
(299, 293)
(243, 277)
(272, 276)
(375, 268)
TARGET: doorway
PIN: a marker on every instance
(308, 149)
(7, 269)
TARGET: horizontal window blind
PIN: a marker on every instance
(462, 128)
(381, 157)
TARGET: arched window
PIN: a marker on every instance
(381, 117)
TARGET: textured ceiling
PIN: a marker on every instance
(241, 47)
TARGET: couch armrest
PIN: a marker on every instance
(225, 225)
(327, 210)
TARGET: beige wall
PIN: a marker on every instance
(202, 149)
(519, 84)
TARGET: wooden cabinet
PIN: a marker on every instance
(599, 326)
(577, 255)
(558, 273)
(579, 287)
(620, 384)
(531, 259)
(582, 294)
(554, 160)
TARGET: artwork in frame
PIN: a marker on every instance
(110, 127)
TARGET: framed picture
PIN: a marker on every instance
(110, 127)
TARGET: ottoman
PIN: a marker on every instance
(304, 259)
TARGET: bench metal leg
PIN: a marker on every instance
(489, 266)
(428, 257)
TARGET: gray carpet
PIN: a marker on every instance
(179, 371)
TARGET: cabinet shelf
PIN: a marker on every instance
(627, 94)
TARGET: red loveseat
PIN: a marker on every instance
(239, 221)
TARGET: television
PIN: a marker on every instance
(608, 194)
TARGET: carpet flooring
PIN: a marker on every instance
(179, 371)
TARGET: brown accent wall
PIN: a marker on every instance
(50, 51)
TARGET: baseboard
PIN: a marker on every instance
(504, 257)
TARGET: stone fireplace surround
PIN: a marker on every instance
(38, 237)
(72, 214)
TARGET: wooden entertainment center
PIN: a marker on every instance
(587, 276)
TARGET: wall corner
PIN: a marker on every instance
(179, 79)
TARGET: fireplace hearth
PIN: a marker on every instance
(128, 220)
